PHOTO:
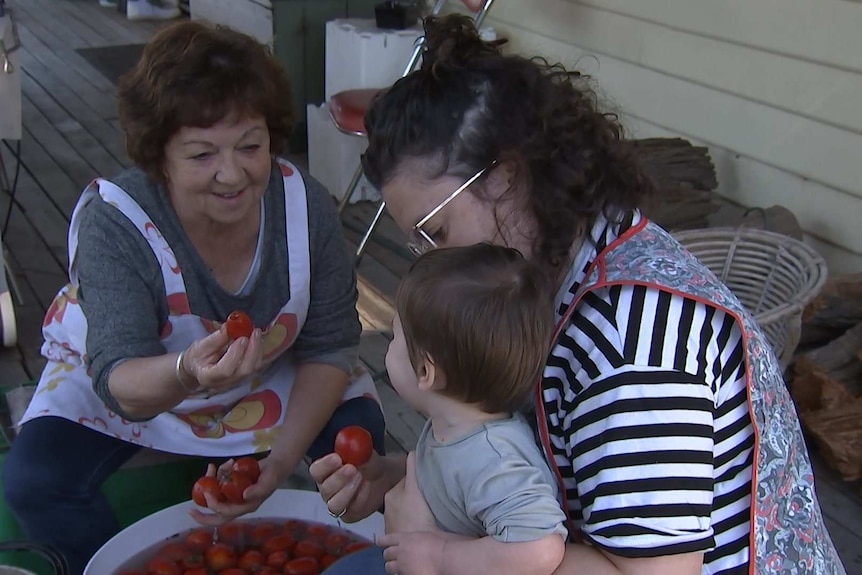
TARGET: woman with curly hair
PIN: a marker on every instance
(209, 221)
(661, 408)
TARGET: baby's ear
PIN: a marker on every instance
(429, 376)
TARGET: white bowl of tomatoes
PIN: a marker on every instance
(291, 526)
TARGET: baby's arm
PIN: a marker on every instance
(441, 553)
(488, 555)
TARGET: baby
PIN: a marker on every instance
(470, 338)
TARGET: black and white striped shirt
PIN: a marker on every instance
(648, 420)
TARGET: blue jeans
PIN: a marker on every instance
(53, 473)
(369, 561)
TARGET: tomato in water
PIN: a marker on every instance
(308, 548)
(199, 539)
(283, 542)
(353, 445)
(302, 566)
(238, 325)
(159, 565)
(220, 556)
(252, 560)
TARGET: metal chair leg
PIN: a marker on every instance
(371, 227)
(351, 189)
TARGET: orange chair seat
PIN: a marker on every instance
(348, 108)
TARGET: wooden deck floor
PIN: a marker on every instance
(71, 135)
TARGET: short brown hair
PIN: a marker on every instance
(484, 315)
(192, 74)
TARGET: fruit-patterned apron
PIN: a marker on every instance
(240, 420)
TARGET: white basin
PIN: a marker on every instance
(284, 503)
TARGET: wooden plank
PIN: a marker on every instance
(826, 31)
(68, 158)
(829, 216)
(31, 36)
(78, 18)
(35, 220)
(373, 306)
(103, 26)
(842, 511)
(372, 351)
(60, 103)
(49, 116)
(810, 149)
(62, 190)
(58, 63)
(812, 90)
(58, 32)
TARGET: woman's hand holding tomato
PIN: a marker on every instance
(359, 490)
(244, 497)
(219, 361)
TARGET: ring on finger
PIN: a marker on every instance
(337, 515)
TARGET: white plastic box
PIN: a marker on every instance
(360, 55)
(333, 156)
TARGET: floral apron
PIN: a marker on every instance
(788, 532)
(240, 420)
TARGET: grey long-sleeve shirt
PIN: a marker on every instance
(122, 293)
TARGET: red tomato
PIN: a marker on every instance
(277, 559)
(302, 566)
(283, 542)
(233, 571)
(251, 560)
(182, 554)
(308, 548)
(353, 444)
(233, 485)
(335, 543)
(295, 528)
(220, 556)
(206, 485)
(239, 325)
(266, 571)
(249, 466)
(355, 546)
(261, 532)
(316, 531)
(196, 571)
(199, 539)
(327, 560)
(232, 533)
(159, 565)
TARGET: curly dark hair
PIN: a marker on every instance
(469, 104)
(192, 74)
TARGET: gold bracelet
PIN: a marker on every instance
(180, 371)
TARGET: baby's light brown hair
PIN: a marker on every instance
(484, 315)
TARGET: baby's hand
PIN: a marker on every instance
(419, 553)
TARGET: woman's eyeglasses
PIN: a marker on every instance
(420, 241)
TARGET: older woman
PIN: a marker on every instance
(208, 222)
(661, 407)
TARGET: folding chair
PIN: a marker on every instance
(347, 111)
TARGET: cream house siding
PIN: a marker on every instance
(773, 87)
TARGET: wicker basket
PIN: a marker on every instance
(773, 275)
